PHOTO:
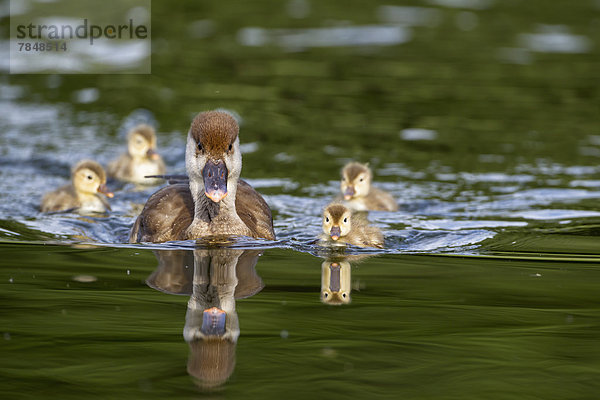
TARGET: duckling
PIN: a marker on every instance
(87, 180)
(141, 158)
(215, 202)
(357, 192)
(340, 225)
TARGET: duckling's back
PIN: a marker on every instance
(363, 233)
(62, 199)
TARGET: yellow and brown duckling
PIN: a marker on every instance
(85, 193)
(341, 226)
(215, 201)
(141, 158)
(357, 192)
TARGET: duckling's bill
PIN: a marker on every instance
(349, 192)
(335, 232)
(104, 190)
(152, 154)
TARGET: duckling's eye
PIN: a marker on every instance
(362, 179)
(230, 147)
(326, 295)
(344, 295)
(326, 219)
(345, 219)
(200, 147)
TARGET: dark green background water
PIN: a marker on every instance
(488, 285)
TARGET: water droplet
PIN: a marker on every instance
(10, 280)
(128, 272)
(6, 336)
(569, 319)
(284, 334)
(85, 278)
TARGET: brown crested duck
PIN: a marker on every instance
(215, 202)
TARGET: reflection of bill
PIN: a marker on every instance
(335, 282)
(214, 278)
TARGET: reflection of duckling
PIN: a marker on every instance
(340, 225)
(215, 201)
(87, 180)
(335, 282)
(141, 158)
(359, 195)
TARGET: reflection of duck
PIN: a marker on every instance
(335, 282)
(357, 192)
(215, 278)
(81, 195)
(340, 225)
(215, 202)
(141, 158)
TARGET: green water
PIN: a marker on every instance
(486, 288)
(419, 326)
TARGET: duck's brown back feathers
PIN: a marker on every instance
(254, 211)
(170, 211)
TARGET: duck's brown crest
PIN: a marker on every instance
(336, 211)
(215, 130)
(145, 130)
(91, 165)
(354, 169)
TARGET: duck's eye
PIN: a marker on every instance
(90, 177)
(200, 147)
(230, 147)
(362, 179)
(345, 219)
(326, 219)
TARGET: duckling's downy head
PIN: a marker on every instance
(213, 158)
(141, 142)
(89, 178)
(356, 180)
(336, 221)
